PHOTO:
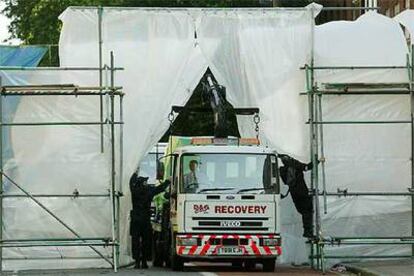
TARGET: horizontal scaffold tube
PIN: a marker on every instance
(58, 244)
(352, 67)
(61, 123)
(353, 93)
(92, 93)
(359, 122)
(53, 258)
(107, 239)
(21, 68)
(361, 257)
(55, 195)
(365, 194)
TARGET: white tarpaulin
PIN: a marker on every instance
(153, 45)
(55, 160)
(257, 55)
(248, 54)
(365, 157)
(156, 49)
(406, 18)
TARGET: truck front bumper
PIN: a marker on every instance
(228, 246)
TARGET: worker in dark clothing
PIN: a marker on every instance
(292, 175)
(140, 228)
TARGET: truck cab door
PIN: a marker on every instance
(174, 190)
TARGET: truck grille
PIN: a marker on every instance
(230, 223)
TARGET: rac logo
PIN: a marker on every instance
(200, 208)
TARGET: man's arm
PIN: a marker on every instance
(308, 166)
(292, 162)
(160, 188)
(132, 181)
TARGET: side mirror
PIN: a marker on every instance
(275, 174)
(275, 170)
(160, 170)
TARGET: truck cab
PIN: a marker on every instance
(224, 203)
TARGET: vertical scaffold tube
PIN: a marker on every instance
(411, 79)
(100, 11)
(310, 111)
(1, 176)
(113, 170)
(322, 156)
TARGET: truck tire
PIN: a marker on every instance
(249, 265)
(157, 256)
(269, 265)
(176, 262)
(237, 264)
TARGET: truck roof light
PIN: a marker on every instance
(249, 141)
(201, 141)
(221, 141)
(225, 141)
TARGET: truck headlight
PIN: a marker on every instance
(270, 242)
(187, 241)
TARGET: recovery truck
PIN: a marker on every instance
(223, 201)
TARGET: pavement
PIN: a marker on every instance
(372, 268)
(383, 268)
(191, 269)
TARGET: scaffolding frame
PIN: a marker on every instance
(314, 94)
(111, 92)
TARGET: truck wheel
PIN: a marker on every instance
(269, 265)
(249, 265)
(176, 262)
(157, 257)
(237, 264)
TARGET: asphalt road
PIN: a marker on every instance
(192, 269)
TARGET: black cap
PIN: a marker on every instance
(141, 180)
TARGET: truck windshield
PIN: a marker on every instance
(226, 173)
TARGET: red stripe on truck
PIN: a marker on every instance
(205, 249)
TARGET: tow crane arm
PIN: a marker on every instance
(216, 95)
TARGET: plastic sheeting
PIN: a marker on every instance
(257, 55)
(25, 56)
(55, 160)
(139, 38)
(365, 157)
(406, 18)
(156, 48)
(28, 56)
(248, 54)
